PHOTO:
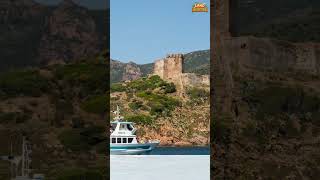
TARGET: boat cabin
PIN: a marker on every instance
(122, 133)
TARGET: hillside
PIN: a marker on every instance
(195, 62)
(160, 113)
(268, 124)
(61, 109)
(31, 33)
(291, 20)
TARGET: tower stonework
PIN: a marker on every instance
(171, 70)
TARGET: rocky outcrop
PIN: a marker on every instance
(70, 35)
(131, 71)
(33, 33)
(21, 27)
(19, 10)
(124, 71)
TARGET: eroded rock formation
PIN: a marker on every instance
(71, 35)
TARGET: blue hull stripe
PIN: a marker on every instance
(130, 147)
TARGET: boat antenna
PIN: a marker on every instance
(118, 116)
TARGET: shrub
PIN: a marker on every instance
(23, 82)
(82, 139)
(14, 117)
(151, 83)
(169, 88)
(117, 87)
(96, 104)
(159, 104)
(140, 119)
(135, 105)
(197, 93)
(92, 78)
(73, 140)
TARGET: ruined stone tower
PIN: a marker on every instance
(170, 68)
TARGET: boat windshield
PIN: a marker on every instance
(113, 126)
(126, 127)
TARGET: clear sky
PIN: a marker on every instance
(92, 4)
(145, 30)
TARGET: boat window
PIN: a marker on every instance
(130, 140)
(118, 140)
(124, 140)
(113, 126)
(123, 127)
(113, 140)
(130, 128)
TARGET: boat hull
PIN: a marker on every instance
(131, 149)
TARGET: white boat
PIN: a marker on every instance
(123, 140)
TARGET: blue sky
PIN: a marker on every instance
(92, 4)
(145, 30)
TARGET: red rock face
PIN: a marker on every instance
(70, 35)
(132, 72)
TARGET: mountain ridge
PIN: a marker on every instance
(194, 62)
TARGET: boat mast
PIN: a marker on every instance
(25, 166)
(23, 157)
(118, 116)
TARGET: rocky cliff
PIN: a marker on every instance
(70, 35)
(33, 33)
(21, 28)
(124, 71)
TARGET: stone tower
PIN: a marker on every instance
(170, 68)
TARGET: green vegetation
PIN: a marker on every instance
(150, 83)
(197, 62)
(146, 68)
(22, 82)
(14, 117)
(82, 139)
(117, 87)
(198, 93)
(154, 91)
(96, 104)
(159, 104)
(91, 78)
(135, 105)
(143, 84)
(140, 119)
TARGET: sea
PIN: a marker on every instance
(187, 163)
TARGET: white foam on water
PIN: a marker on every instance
(160, 167)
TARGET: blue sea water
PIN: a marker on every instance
(187, 163)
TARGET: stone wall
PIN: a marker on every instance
(270, 54)
(191, 79)
(171, 69)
